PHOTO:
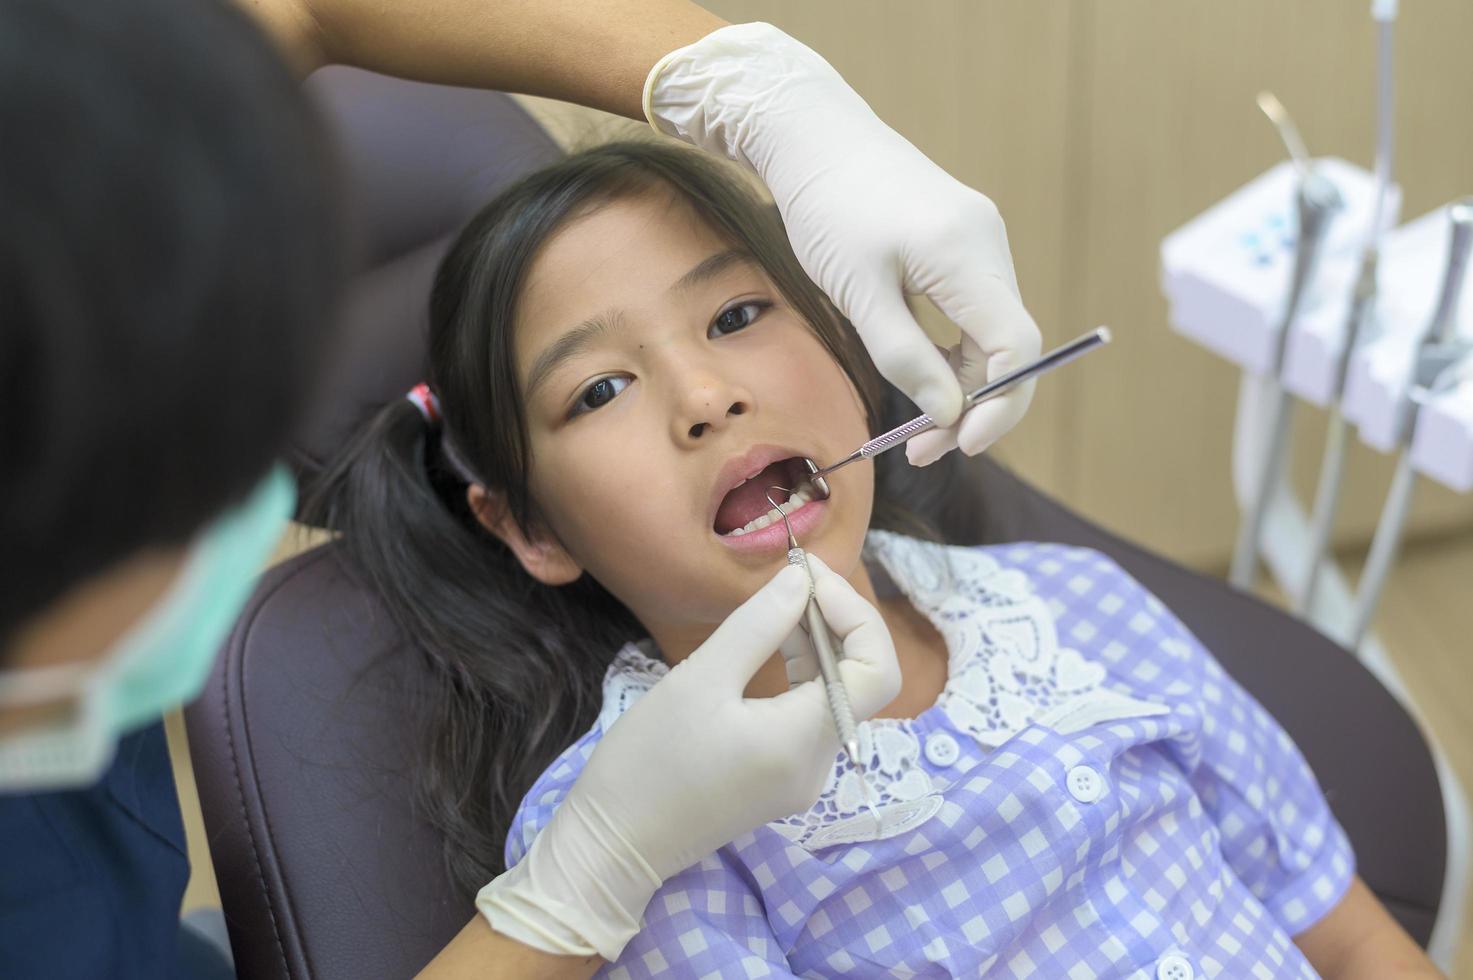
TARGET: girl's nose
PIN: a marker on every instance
(707, 404)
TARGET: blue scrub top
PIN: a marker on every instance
(91, 880)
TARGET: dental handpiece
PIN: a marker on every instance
(1440, 347)
(1317, 201)
(1444, 326)
(924, 423)
(1441, 331)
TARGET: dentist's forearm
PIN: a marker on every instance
(593, 52)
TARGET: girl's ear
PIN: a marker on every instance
(541, 555)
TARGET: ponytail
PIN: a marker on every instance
(515, 666)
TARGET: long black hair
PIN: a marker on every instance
(517, 665)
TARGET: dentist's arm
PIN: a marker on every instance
(592, 52)
(870, 217)
(692, 765)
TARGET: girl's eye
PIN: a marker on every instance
(738, 317)
(600, 393)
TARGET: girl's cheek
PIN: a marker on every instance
(604, 478)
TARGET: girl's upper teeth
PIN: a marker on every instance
(787, 507)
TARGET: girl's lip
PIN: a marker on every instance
(774, 537)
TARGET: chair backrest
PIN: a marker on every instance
(418, 161)
(302, 740)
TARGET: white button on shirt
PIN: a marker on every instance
(941, 749)
(1173, 966)
(1085, 785)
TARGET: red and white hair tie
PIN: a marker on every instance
(424, 399)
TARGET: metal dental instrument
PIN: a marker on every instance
(1362, 311)
(1439, 350)
(823, 645)
(1317, 200)
(924, 423)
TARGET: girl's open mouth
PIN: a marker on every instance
(747, 508)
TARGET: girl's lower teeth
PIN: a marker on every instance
(758, 523)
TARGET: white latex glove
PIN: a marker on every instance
(870, 217)
(691, 766)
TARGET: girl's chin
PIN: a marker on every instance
(773, 538)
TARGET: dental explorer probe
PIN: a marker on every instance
(818, 630)
(1362, 310)
(924, 423)
(1437, 351)
(1317, 199)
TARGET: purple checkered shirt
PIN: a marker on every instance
(1091, 796)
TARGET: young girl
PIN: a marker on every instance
(627, 355)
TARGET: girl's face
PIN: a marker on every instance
(660, 370)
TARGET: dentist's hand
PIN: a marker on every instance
(870, 217)
(690, 766)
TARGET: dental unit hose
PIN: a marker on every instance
(1362, 310)
(1332, 462)
(1317, 201)
(1440, 333)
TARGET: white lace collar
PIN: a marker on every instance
(1006, 671)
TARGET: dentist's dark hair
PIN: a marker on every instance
(518, 665)
(170, 260)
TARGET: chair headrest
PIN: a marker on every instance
(418, 161)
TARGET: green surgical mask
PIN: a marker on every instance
(159, 664)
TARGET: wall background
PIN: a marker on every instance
(1098, 126)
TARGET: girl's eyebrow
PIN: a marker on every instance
(579, 339)
(571, 344)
